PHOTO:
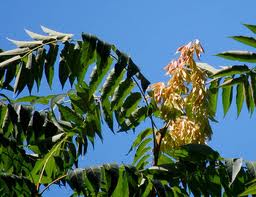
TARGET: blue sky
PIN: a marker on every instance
(150, 32)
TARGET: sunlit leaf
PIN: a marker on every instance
(227, 95)
(242, 56)
(251, 41)
(239, 98)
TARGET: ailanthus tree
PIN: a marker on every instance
(43, 137)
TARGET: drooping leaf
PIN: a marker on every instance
(251, 41)
(227, 95)
(21, 80)
(107, 114)
(132, 69)
(39, 67)
(239, 98)
(248, 95)
(122, 184)
(231, 70)
(253, 86)
(49, 63)
(242, 56)
(144, 82)
(103, 64)
(213, 97)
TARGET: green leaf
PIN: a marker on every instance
(213, 97)
(227, 95)
(143, 82)
(231, 82)
(108, 114)
(145, 133)
(21, 78)
(248, 95)
(141, 150)
(242, 56)
(130, 104)
(194, 152)
(122, 184)
(112, 81)
(253, 85)
(121, 92)
(249, 191)
(103, 64)
(239, 98)
(246, 40)
(132, 69)
(39, 67)
(143, 162)
(251, 27)
(49, 63)
(231, 70)
(70, 115)
(64, 67)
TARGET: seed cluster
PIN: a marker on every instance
(183, 100)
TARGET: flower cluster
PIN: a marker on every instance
(183, 100)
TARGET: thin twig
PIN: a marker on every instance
(56, 180)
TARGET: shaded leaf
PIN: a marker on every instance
(49, 63)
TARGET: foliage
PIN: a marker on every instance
(43, 137)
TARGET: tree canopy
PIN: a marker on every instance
(43, 137)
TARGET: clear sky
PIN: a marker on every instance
(150, 32)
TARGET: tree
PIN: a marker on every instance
(43, 137)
